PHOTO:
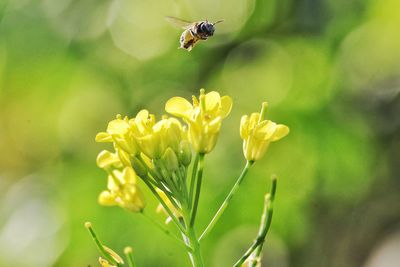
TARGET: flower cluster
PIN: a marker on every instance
(158, 153)
(204, 117)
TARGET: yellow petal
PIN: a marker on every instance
(103, 137)
(106, 159)
(135, 199)
(117, 126)
(265, 130)
(142, 115)
(113, 183)
(150, 145)
(280, 132)
(226, 106)
(129, 175)
(214, 126)
(141, 120)
(107, 199)
(127, 143)
(124, 157)
(253, 121)
(160, 126)
(179, 106)
(213, 100)
(244, 124)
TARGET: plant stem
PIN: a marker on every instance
(165, 206)
(99, 245)
(199, 176)
(191, 238)
(193, 178)
(264, 227)
(226, 201)
(166, 231)
(197, 259)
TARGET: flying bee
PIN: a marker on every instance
(193, 31)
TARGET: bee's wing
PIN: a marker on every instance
(180, 23)
(218, 21)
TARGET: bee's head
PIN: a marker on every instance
(207, 28)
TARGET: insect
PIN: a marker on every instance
(193, 31)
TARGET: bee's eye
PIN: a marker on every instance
(203, 28)
(207, 28)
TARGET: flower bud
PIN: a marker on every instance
(173, 133)
(138, 166)
(185, 153)
(170, 160)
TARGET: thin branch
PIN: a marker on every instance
(266, 220)
(226, 201)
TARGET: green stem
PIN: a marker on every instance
(266, 220)
(193, 178)
(196, 257)
(99, 245)
(226, 201)
(257, 254)
(191, 238)
(157, 181)
(166, 231)
(165, 206)
(199, 176)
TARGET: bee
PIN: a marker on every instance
(193, 31)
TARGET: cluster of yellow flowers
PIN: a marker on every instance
(159, 152)
(204, 117)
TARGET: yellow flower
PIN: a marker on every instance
(177, 213)
(118, 132)
(171, 133)
(122, 190)
(142, 128)
(258, 133)
(153, 138)
(204, 117)
(106, 159)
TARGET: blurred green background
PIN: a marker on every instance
(330, 69)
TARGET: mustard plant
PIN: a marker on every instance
(168, 156)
